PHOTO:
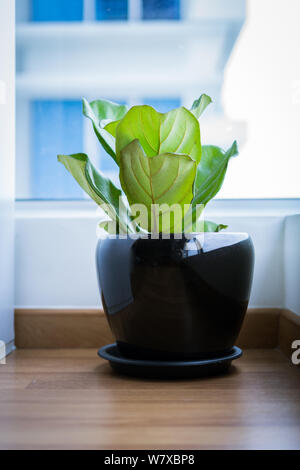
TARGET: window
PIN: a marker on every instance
(111, 10)
(161, 52)
(163, 105)
(106, 10)
(56, 10)
(161, 9)
(56, 127)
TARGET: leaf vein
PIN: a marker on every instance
(143, 132)
(170, 186)
(136, 178)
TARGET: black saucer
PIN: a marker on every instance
(167, 369)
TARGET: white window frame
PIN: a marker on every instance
(7, 164)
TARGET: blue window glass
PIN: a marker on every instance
(56, 128)
(163, 105)
(111, 10)
(107, 164)
(56, 10)
(161, 9)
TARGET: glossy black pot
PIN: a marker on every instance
(177, 298)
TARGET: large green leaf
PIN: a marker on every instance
(111, 127)
(200, 105)
(98, 187)
(211, 172)
(177, 131)
(162, 179)
(101, 112)
(197, 109)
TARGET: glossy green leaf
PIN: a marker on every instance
(111, 127)
(211, 172)
(101, 112)
(177, 131)
(163, 179)
(98, 187)
(200, 105)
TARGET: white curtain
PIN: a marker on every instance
(262, 88)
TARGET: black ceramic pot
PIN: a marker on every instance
(177, 298)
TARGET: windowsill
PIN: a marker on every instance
(29, 31)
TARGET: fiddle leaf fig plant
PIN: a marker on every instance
(162, 166)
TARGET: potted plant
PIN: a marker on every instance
(175, 288)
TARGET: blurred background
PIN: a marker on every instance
(164, 53)
(161, 52)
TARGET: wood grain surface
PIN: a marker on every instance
(61, 328)
(70, 399)
(64, 328)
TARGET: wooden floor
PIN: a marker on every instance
(70, 399)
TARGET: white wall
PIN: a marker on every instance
(7, 54)
(55, 261)
(55, 251)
